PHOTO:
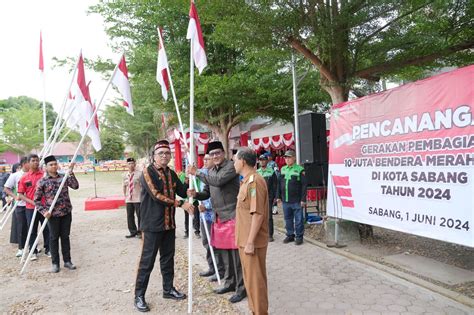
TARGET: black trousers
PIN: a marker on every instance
(133, 208)
(38, 219)
(233, 277)
(206, 244)
(152, 242)
(270, 219)
(196, 224)
(60, 227)
(21, 226)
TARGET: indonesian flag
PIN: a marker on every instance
(83, 107)
(162, 67)
(121, 82)
(41, 62)
(195, 35)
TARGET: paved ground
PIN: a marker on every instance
(302, 280)
(310, 280)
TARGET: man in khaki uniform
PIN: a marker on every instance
(251, 230)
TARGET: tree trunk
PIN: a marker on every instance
(338, 93)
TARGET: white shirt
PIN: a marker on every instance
(12, 183)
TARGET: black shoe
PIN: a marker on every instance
(186, 235)
(139, 235)
(140, 304)
(55, 268)
(299, 241)
(130, 235)
(289, 239)
(213, 278)
(69, 265)
(206, 273)
(271, 239)
(224, 290)
(198, 235)
(237, 297)
(173, 294)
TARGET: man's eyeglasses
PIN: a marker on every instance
(163, 153)
(217, 153)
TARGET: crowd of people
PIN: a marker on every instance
(33, 191)
(232, 199)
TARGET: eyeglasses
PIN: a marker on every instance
(163, 153)
(217, 153)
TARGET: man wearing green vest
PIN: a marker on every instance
(292, 192)
(272, 184)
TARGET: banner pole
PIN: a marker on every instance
(295, 110)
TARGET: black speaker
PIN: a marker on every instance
(313, 140)
(316, 174)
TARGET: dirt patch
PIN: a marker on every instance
(106, 267)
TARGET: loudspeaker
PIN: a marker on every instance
(316, 174)
(313, 140)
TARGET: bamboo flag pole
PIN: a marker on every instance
(191, 183)
(41, 67)
(66, 175)
(188, 154)
(46, 148)
(61, 110)
(7, 215)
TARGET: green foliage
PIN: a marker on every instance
(352, 40)
(236, 86)
(22, 124)
(112, 146)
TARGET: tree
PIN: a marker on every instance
(22, 128)
(350, 41)
(112, 146)
(22, 125)
(235, 87)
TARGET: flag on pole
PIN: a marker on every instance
(162, 67)
(41, 62)
(83, 105)
(122, 83)
(195, 34)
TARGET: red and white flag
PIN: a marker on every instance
(162, 67)
(41, 61)
(195, 35)
(122, 83)
(343, 190)
(83, 107)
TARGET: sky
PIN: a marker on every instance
(66, 29)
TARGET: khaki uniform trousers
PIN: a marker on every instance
(255, 279)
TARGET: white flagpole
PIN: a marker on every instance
(61, 111)
(89, 124)
(45, 131)
(191, 182)
(295, 110)
(188, 153)
(7, 215)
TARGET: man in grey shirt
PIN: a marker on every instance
(222, 185)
